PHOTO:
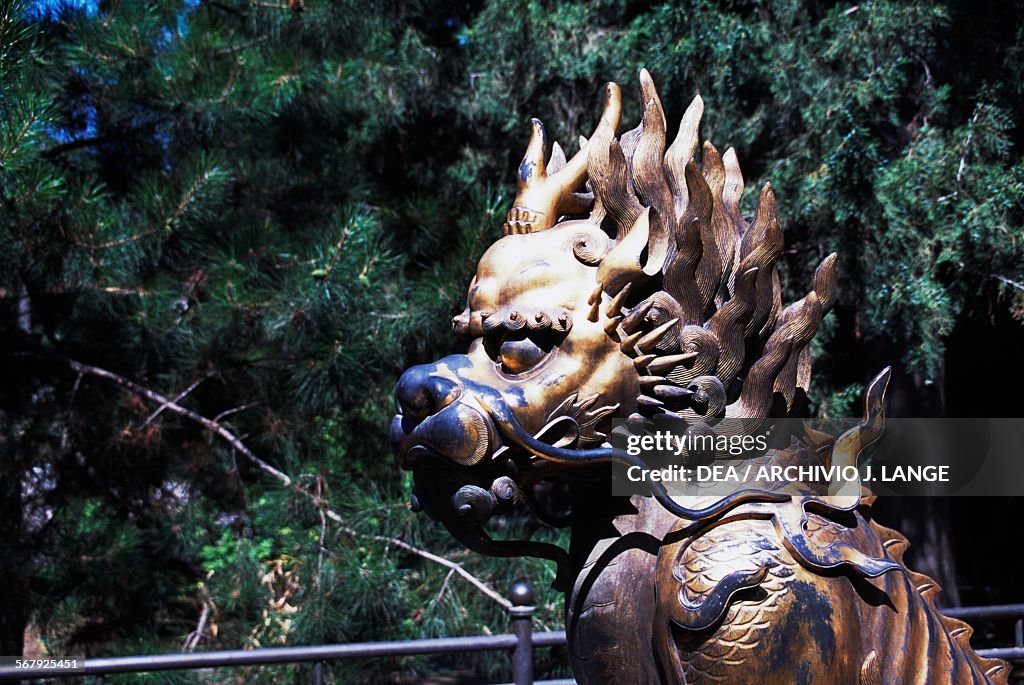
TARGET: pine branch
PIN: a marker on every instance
(236, 443)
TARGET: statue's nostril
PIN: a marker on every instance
(420, 394)
(414, 401)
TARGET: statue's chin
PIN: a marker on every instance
(459, 433)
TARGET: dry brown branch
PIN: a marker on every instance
(236, 443)
(177, 398)
(196, 635)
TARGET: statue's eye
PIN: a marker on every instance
(518, 352)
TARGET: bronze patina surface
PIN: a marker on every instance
(628, 285)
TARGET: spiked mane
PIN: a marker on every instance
(695, 296)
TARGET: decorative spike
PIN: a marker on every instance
(669, 362)
(647, 401)
(648, 382)
(611, 327)
(638, 422)
(615, 306)
(635, 318)
(672, 392)
(595, 296)
(595, 311)
(647, 343)
(960, 630)
(629, 342)
(642, 361)
(583, 142)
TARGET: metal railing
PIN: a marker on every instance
(994, 612)
(521, 642)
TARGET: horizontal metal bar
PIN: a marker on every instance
(562, 681)
(284, 655)
(555, 638)
(992, 611)
(1007, 653)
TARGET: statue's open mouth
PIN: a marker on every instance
(492, 423)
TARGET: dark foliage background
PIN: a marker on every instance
(269, 209)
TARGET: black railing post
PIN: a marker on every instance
(318, 673)
(522, 628)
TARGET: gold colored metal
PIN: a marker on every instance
(652, 295)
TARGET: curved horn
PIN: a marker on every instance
(542, 197)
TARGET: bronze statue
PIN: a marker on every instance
(629, 286)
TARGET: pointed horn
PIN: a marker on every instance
(628, 344)
(543, 197)
(534, 203)
(672, 392)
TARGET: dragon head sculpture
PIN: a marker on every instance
(627, 285)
